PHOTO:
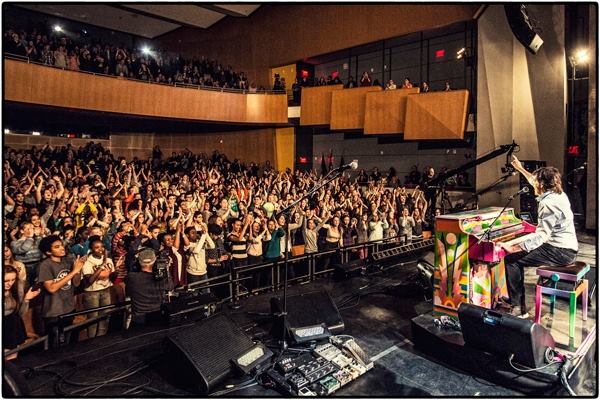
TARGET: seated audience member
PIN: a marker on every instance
(447, 87)
(390, 85)
(407, 84)
(424, 87)
(351, 83)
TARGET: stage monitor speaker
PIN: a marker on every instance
(520, 24)
(202, 354)
(352, 269)
(307, 310)
(504, 335)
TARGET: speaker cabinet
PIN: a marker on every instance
(308, 309)
(520, 24)
(202, 354)
(504, 335)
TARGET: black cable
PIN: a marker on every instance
(563, 376)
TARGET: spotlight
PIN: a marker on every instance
(6, 131)
(36, 133)
(146, 50)
(582, 56)
(58, 28)
(460, 53)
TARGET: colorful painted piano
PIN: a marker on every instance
(469, 264)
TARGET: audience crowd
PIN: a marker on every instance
(80, 52)
(81, 221)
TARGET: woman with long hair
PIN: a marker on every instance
(16, 304)
(9, 259)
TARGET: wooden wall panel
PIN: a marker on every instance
(437, 115)
(262, 108)
(348, 107)
(316, 105)
(256, 145)
(17, 89)
(385, 111)
(284, 148)
(37, 84)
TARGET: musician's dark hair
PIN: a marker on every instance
(549, 178)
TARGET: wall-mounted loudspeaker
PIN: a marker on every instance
(522, 27)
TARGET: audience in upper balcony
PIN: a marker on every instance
(390, 85)
(424, 87)
(407, 84)
(365, 80)
(79, 52)
(351, 83)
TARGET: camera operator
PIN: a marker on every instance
(147, 288)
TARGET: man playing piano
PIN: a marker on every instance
(554, 241)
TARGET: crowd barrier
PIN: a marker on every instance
(238, 282)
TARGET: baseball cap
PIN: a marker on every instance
(146, 256)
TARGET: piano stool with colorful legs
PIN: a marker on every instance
(547, 284)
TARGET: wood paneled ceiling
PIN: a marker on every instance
(147, 20)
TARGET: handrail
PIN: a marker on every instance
(41, 339)
(232, 280)
(17, 57)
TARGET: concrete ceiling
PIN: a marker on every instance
(147, 20)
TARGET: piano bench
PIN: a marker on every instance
(573, 285)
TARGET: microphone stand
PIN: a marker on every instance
(490, 187)
(489, 229)
(286, 212)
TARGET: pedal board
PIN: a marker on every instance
(326, 369)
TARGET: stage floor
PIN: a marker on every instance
(380, 322)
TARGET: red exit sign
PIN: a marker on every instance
(440, 53)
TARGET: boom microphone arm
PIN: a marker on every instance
(505, 148)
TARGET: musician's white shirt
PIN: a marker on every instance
(555, 223)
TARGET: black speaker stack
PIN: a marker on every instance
(528, 202)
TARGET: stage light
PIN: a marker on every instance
(58, 28)
(36, 133)
(460, 53)
(146, 50)
(6, 131)
(582, 56)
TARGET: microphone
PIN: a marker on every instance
(524, 189)
(353, 165)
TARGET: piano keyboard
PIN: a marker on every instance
(518, 239)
